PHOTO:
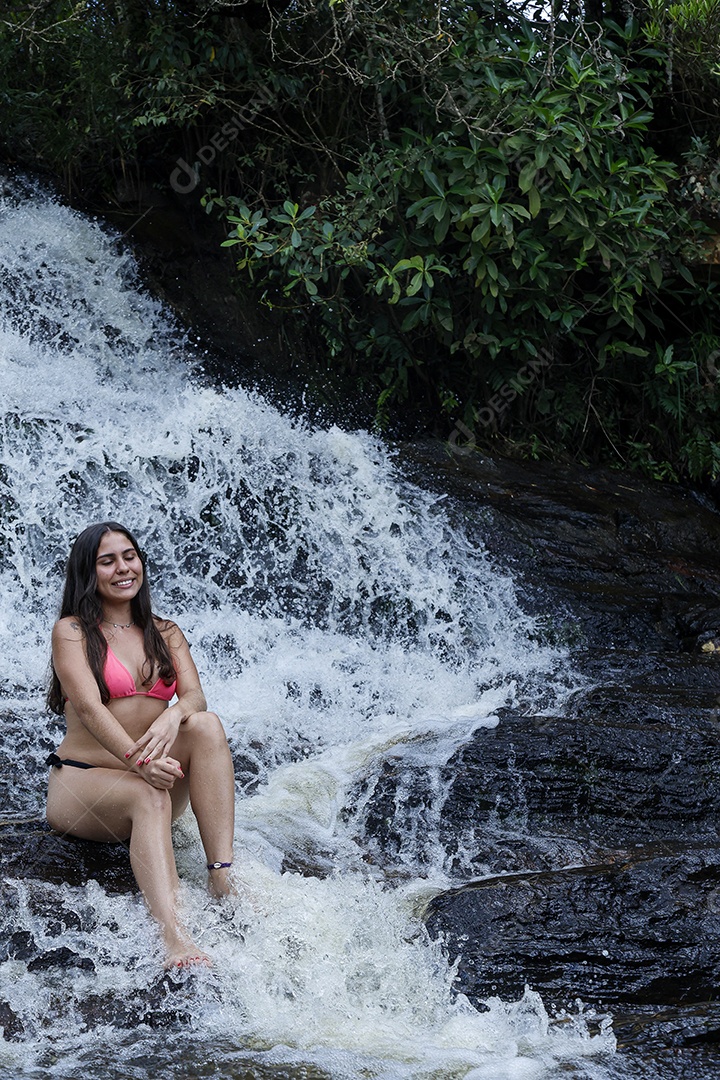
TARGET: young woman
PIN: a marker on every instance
(130, 761)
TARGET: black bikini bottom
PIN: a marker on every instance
(53, 759)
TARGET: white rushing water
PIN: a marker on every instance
(340, 621)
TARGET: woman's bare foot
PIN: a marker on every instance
(181, 951)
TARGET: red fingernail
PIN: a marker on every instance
(146, 760)
(128, 754)
(182, 775)
(139, 761)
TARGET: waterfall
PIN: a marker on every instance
(340, 617)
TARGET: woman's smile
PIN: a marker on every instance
(118, 568)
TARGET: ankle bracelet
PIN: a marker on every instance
(218, 865)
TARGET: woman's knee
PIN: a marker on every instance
(150, 801)
(205, 726)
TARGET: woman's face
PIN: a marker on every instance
(118, 567)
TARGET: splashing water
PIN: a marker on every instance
(338, 619)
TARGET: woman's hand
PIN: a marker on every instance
(159, 738)
(162, 772)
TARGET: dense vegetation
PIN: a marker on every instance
(491, 213)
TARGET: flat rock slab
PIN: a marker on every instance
(593, 834)
(642, 930)
(628, 562)
(544, 792)
(31, 849)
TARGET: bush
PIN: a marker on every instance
(468, 209)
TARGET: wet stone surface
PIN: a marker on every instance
(642, 929)
(32, 849)
(598, 868)
(606, 559)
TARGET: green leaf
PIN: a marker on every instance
(416, 263)
(562, 166)
(432, 181)
(685, 273)
(411, 320)
(542, 153)
(412, 210)
(631, 350)
(415, 285)
(534, 202)
(527, 176)
(441, 229)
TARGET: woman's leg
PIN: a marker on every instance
(202, 749)
(110, 805)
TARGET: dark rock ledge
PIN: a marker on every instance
(599, 869)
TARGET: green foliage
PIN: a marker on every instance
(471, 213)
(536, 214)
(56, 84)
(687, 35)
(185, 71)
(93, 88)
(691, 27)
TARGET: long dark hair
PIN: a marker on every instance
(80, 600)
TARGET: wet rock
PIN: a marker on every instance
(166, 1005)
(12, 1026)
(32, 849)
(19, 946)
(622, 768)
(62, 957)
(594, 833)
(642, 929)
(591, 778)
(629, 562)
(671, 1026)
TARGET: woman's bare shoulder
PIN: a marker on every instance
(68, 629)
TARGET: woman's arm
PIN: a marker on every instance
(162, 733)
(78, 682)
(190, 695)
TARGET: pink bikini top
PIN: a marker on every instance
(120, 682)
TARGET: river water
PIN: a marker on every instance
(340, 619)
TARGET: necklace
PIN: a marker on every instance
(119, 625)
